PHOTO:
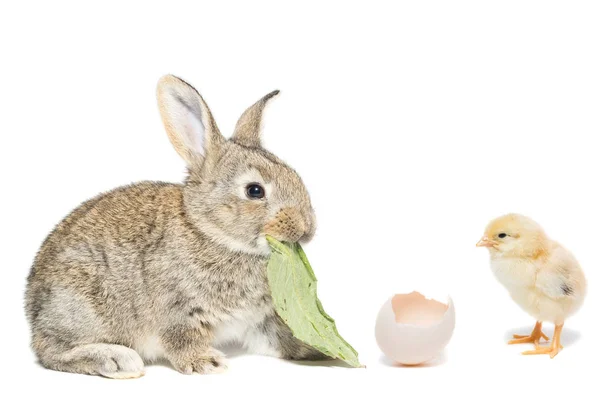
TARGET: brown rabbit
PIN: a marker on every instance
(159, 270)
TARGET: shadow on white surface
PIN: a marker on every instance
(439, 360)
(568, 336)
(232, 351)
(328, 363)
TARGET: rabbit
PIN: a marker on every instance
(168, 271)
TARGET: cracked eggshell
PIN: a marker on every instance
(412, 329)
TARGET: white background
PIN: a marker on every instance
(412, 123)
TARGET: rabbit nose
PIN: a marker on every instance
(288, 225)
(310, 230)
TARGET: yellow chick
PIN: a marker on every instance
(541, 276)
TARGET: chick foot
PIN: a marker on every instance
(554, 348)
(542, 335)
(534, 337)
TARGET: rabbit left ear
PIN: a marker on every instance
(248, 128)
(188, 120)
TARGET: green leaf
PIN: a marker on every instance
(294, 291)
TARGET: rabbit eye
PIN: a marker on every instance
(502, 235)
(255, 191)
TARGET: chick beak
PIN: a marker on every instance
(485, 242)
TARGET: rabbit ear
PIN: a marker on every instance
(187, 119)
(248, 127)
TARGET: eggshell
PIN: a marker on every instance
(411, 329)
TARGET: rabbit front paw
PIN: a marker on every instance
(209, 362)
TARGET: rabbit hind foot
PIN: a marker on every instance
(108, 360)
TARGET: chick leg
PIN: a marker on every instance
(534, 338)
(554, 347)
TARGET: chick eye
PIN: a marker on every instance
(255, 191)
(502, 235)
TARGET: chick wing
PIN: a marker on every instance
(560, 275)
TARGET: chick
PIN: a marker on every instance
(541, 276)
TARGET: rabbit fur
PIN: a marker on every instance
(169, 271)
